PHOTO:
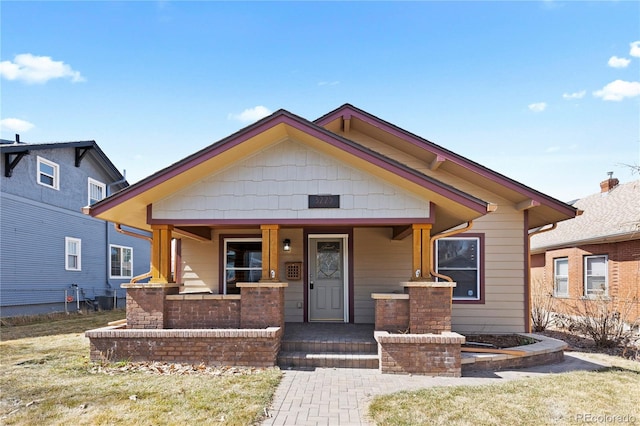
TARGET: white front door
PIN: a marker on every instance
(327, 283)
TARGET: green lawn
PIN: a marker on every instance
(46, 378)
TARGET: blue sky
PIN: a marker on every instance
(544, 92)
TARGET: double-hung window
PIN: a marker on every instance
(121, 262)
(596, 281)
(243, 262)
(97, 191)
(72, 254)
(459, 258)
(48, 173)
(561, 277)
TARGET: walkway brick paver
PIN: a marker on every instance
(340, 396)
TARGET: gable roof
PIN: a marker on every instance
(129, 206)
(327, 134)
(543, 209)
(607, 217)
(82, 148)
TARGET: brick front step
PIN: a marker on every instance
(315, 346)
(328, 359)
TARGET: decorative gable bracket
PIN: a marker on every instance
(80, 153)
(11, 160)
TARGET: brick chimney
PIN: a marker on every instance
(609, 184)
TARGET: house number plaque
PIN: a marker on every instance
(324, 201)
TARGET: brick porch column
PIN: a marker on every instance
(429, 306)
(146, 304)
(262, 304)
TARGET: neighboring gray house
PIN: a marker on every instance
(51, 253)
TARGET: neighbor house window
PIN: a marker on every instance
(97, 191)
(561, 277)
(243, 262)
(48, 173)
(72, 252)
(121, 262)
(459, 258)
(595, 275)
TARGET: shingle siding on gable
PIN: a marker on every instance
(275, 183)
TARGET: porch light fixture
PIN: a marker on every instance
(286, 245)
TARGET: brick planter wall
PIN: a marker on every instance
(426, 354)
(202, 311)
(251, 347)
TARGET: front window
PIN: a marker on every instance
(72, 254)
(121, 262)
(97, 191)
(243, 262)
(595, 276)
(561, 277)
(48, 173)
(459, 258)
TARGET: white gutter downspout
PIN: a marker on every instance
(133, 234)
(432, 243)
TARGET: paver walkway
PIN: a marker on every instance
(340, 396)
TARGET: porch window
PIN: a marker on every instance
(121, 262)
(596, 281)
(48, 173)
(72, 254)
(561, 277)
(243, 262)
(459, 258)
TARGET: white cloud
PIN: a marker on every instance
(538, 106)
(615, 62)
(37, 69)
(635, 49)
(251, 114)
(574, 95)
(618, 90)
(15, 125)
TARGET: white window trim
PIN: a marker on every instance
(56, 173)
(98, 184)
(120, 276)
(236, 240)
(555, 277)
(606, 275)
(78, 241)
(478, 266)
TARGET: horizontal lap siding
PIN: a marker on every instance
(33, 252)
(199, 265)
(380, 265)
(504, 293)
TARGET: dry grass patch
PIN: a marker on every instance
(50, 380)
(566, 398)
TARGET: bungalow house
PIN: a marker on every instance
(595, 255)
(334, 220)
(54, 258)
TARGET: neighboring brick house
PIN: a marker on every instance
(594, 255)
(51, 252)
